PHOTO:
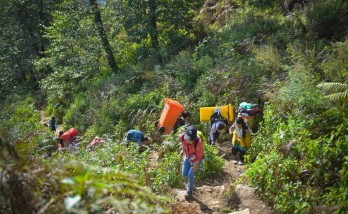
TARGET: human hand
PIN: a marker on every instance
(232, 128)
(195, 166)
(181, 153)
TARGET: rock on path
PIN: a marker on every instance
(221, 195)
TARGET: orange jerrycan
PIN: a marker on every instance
(171, 111)
(68, 135)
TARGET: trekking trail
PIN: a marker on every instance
(43, 118)
(221, 194)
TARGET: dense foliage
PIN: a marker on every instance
(104, 67)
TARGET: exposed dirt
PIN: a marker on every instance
(44, 120)
(221, 194)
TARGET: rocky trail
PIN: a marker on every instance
(221, 194)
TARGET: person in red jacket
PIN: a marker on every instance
(192, 147)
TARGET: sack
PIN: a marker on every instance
(204, 140)
(248, 108)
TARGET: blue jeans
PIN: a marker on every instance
(187, 171)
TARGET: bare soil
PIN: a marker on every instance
(224, 193)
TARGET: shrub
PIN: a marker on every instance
(20, 119)
(328, 19)
(212, 163)
(290, 164)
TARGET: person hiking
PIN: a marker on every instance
(215, 130)
(60, 140)
(72, 144)
(184, 119)
(192, 148)
(137, 137)
(52, 124)
(69, 144)
(95, 142)
(248, 112)
(241, 139)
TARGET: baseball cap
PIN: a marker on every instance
(190, 133)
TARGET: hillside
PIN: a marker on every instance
(104, 67)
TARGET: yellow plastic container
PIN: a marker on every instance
(226, 112)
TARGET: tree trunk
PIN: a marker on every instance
(153, 27)
(105, 42)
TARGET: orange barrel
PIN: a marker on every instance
(68, 135)
(171, 111)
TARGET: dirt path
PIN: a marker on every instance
(221, 194)
(44, 119)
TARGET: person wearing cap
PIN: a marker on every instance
(183, 120)
(136, 136)
(192, 147)
(215, 130)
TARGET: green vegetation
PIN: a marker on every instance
(104, 67)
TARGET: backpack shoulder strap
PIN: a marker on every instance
(195, 143)
(182, 138)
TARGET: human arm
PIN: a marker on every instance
(182, 152)
(181, 138)
(212, 131)
(199, 154)
(232, 128)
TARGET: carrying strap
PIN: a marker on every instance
(194, 144)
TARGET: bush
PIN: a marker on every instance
(20, 119)
(290, 164)
(328, 19)
(212, 163)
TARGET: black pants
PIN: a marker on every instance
(235, 151)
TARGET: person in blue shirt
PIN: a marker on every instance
(136, 136)
(215, 130)
(52, 124)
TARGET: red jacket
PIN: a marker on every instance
(190, 149)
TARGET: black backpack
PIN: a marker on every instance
(216, 116)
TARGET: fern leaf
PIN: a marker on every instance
(332, 87)
(338, 97)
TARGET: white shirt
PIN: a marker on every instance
(239, 132)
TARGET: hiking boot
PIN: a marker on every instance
(188, 194)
